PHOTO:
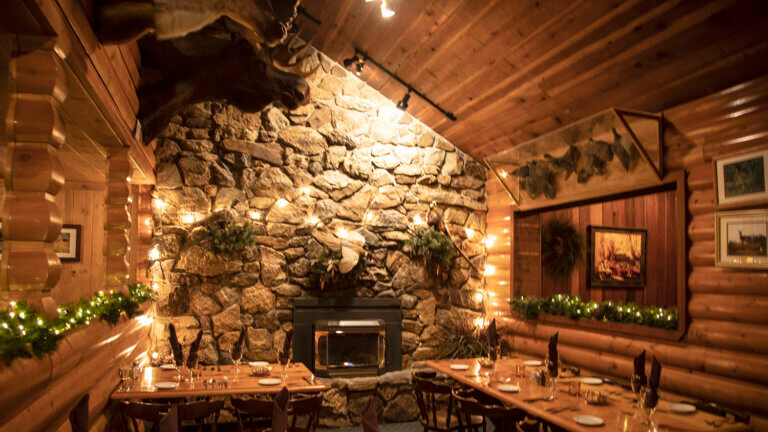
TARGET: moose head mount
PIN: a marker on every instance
(242, 55)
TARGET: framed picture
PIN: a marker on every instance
(67, 246)
(616, 257)
(741, 239)
(742, 179)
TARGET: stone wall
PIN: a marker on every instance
(351, 159)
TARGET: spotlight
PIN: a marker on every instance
(386, 12)
(357, 60)
(403, 104)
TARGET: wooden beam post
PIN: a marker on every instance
(32, 173)
(118, 221)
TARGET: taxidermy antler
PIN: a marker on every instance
(121, 21)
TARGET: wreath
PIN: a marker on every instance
(562, 247)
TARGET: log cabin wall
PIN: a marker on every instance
(723, 356)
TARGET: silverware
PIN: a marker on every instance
(212, 383)
(536, 399)
(205, 384)
(312, 379)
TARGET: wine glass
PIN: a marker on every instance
(637, 389)
(192, 365)
(284, 358)
(237, 355)
(649, 417)
(179, 361)
(125, 373)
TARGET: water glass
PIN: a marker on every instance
(125, 372)
(574, 388)
(284, 358)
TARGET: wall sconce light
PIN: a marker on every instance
(358, 61)
(403, 104)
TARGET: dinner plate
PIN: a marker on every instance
(166, 385)
(258, 363)
(682, 408)
(168, 366)
(591, 381)
(509, 388)
(269, 381)
(532, 363)
(459, 367)
(588, 420)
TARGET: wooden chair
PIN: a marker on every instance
(152, 413)
(434, 413)
(504, 418)
(253, 412)
(199, 411)
(304, 413)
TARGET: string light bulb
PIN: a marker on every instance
(478, 296)
(417, 220)
(313, 220)
(306, 190)
(386, 12)
(469, 231)
(489, 270)
(154, 254)
(341, 232)
(188, 218)
(253, 214)
(282, 202)
(490, 241)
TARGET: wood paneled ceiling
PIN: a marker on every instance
(512, 70)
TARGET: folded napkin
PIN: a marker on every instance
(237, 348)
(639, 375)
(652, 396)
(170, 421)
(552, 360)
(176, 348)
(369, 417)
(78, 417)
(280, 411)
(285, 354)
(193, 357)
(493, 340)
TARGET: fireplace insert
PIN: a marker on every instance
(350, 347)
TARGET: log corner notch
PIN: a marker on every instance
(33, 176)
(118, 223)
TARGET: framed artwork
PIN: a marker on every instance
(742, 179)
(616, 257)
(67, 246)
(741, 239)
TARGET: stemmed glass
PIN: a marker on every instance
(192, 365)
(637, 389)
(648, 417)
(237, 355)
(551, 379)
(179, 360)
(284, 358)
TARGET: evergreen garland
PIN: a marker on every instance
(572, 307)
(25, 333)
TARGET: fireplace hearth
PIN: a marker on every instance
(348, 337)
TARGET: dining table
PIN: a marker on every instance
(165, 383)
(618, 412)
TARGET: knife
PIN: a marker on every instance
(721, 411)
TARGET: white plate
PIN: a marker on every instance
(258, 363)
(588, 420)
(269, 381)
(168, 366)
(509, 388)
(591, 381)
(682, 408)
(166, 385)
(532, 363)
(459, 367)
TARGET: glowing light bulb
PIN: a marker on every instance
(503, 174)
(386, 12)
(56, 332)
(282, 202)
(470, 232)
(5, 326)
(147, 222)
(507, 217)
(154, 355)
(502, 282)
(479, 322)
(39, 322)
(368, 217)
(253, 214)
(478, 296)
(506, 230)
(341, 233)
(21, 315)
(417, 220)
(13, 304)
(130, 200)
(160, 204)
(306, 190)
(313, 220)
(381, 189)
(490, 241)
(155, 286)
(188, 218)
(154, 254)
(128, 179)
(490, 269)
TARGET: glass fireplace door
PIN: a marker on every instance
(350, 347)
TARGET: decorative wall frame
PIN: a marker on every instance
(67, 246)
(741, 180)
(616, 257)
(741, 239)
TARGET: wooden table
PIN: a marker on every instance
(618, 413)
(245, 383)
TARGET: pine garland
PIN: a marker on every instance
(572, 307)
(25, 333)
(223, 237)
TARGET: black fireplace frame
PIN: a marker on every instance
(306, 311)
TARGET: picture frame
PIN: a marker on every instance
(616, 257)
(741, 239)
(67, 246)
(741, 180)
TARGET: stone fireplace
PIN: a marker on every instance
(348, 337)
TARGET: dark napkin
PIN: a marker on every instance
(493, 340)
(78, 417)
(652, 396)
(178, 351)
(237, 348)
(369, 417)
(639, 376)
(279, 411)
(552, 360)
(170, 421)
(193, 357)
(285, 354)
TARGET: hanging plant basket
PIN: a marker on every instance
(562, 247)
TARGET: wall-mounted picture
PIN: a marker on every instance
(742, 179)
(742, 239)
(616, 257)
(67, 246)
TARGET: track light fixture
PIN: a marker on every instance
(403, 104)
(358, 61)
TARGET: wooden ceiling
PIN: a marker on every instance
(511, 70)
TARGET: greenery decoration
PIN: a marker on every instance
(324, 271)
(25, 333)
(224, 237)
(562, 247)
(434, 247)
(573, 307)
(463, 340)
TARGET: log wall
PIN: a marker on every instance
(723, 355)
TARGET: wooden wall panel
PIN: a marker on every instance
(499, 226)
(727, 306)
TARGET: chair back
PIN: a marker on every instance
(199, 411)
(430, 406)
(151, 413)
(504, 418)
(308, 411)
(253, 412)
